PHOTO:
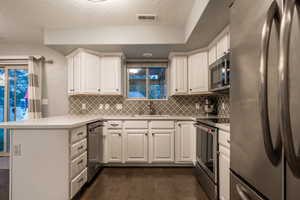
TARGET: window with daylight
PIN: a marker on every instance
(147, 81)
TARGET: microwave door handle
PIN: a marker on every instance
(284, 102)
(274, 154)
(225, 71)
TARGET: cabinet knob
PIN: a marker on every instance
(191, 89)
(117, 89)
(179, 125)
(176, 90)
(119, 134)
(146, 134)
(99, 90)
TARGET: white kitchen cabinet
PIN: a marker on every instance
(212, 55)
(74, 73)
(224, 173)
(185, 142)
(198, 73)
(224, 165)
(223, 46)
(114, 146)
(90, 73)
(136, 146)
(110, 75)
(179, 75)
(162, 146)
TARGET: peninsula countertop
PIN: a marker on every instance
(72, 121)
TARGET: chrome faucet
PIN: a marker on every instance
(152, 110)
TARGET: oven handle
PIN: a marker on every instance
(211, 131)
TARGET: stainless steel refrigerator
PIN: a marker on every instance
(265, 99)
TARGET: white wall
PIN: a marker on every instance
(55, 75)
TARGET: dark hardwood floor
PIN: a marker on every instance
(144, 184)
(4, 184)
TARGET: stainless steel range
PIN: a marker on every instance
(207, 158)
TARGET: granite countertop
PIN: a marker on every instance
(72, 121)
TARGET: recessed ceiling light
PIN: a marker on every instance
(147, 55)
(96, 1)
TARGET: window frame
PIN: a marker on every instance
(6, 68)
(147, 66)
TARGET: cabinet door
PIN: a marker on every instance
(224, 171)
(185, 142)
(110, 75)
(77, 85)
(114, 146)
(90, 73)
(179, 75)
(198, 73)
(222, 46)
(136, 146)
(212, 55)
(70, 75)
(163, 146)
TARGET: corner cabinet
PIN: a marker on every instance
(198, 73)
(179, 75)
(93, 73)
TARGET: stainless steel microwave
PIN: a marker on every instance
(220, 73)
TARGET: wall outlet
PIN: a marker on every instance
(106, 107)
(197, 105)
(100, 106)
(119, 106)
(83, 106)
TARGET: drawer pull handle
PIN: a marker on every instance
(80, 133)
(228, 141)
(80, 162)
(80, 180)
(79, 148)
(114, 124)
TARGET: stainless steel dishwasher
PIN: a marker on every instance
(95, 148)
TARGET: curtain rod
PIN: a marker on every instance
(6, 59)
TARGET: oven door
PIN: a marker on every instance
(207, 138)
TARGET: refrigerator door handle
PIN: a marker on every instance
(284, 104)
(242, 192)
(274, 154)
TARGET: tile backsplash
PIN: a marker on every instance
(117, 105)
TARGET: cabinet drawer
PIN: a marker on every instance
(78, 182)
(78, 165)
(78, 134)
(136, 124)
(114, 124)
(78, 148)
(224, 138)
(160, 124)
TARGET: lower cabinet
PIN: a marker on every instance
(162, 145)
(146, 142)
(224, 165)
(136, 146)
(114, 146)
(185, 144)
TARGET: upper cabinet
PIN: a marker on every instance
(110, 75)
(189, 74)
(93, 73)
(198, 73)
(219, 46)
(179, 75)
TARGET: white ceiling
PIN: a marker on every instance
(25, 19)
(182, 25)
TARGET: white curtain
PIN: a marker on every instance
(35, 67)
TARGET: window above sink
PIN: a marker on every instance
(147, 81)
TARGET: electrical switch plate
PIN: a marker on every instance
(119, 106)
(106, 106)
(100, 106)
(83, 106)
